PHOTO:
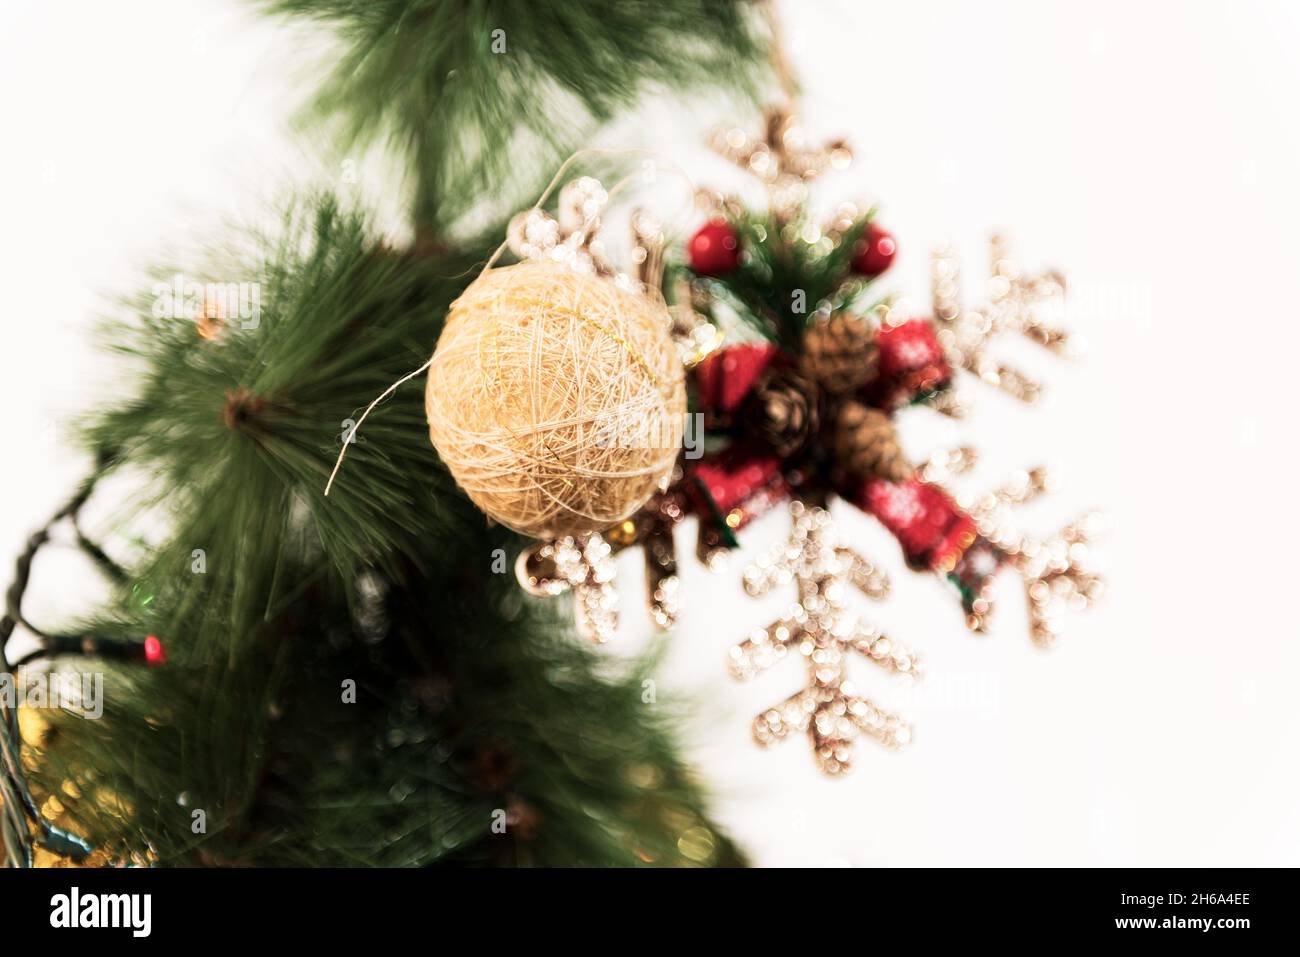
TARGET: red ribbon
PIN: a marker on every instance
(723, 379)
(912, 365)
(735, 486)
(730, 488)
(932, 530)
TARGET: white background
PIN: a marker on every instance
(1148, 148)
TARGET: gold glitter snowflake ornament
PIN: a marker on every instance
(824, 632)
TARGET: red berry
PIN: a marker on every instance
(875, 251)
(714, 250)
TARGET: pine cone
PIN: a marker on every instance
(864, 444)
(840, 353)
(782, 412)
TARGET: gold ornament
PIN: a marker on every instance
(1016, 303)
(1054, 569)
(573, 239)
(782, 159)
(696, 337)
(556, 398)
(821, 629)
(584, 564)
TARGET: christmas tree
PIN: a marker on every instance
(296, 680)
(289, 676)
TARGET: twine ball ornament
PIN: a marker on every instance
(556, 398)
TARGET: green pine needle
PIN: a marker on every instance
(485, 97)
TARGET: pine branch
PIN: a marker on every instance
(787, 275)
(486, 96)
(470, 704)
